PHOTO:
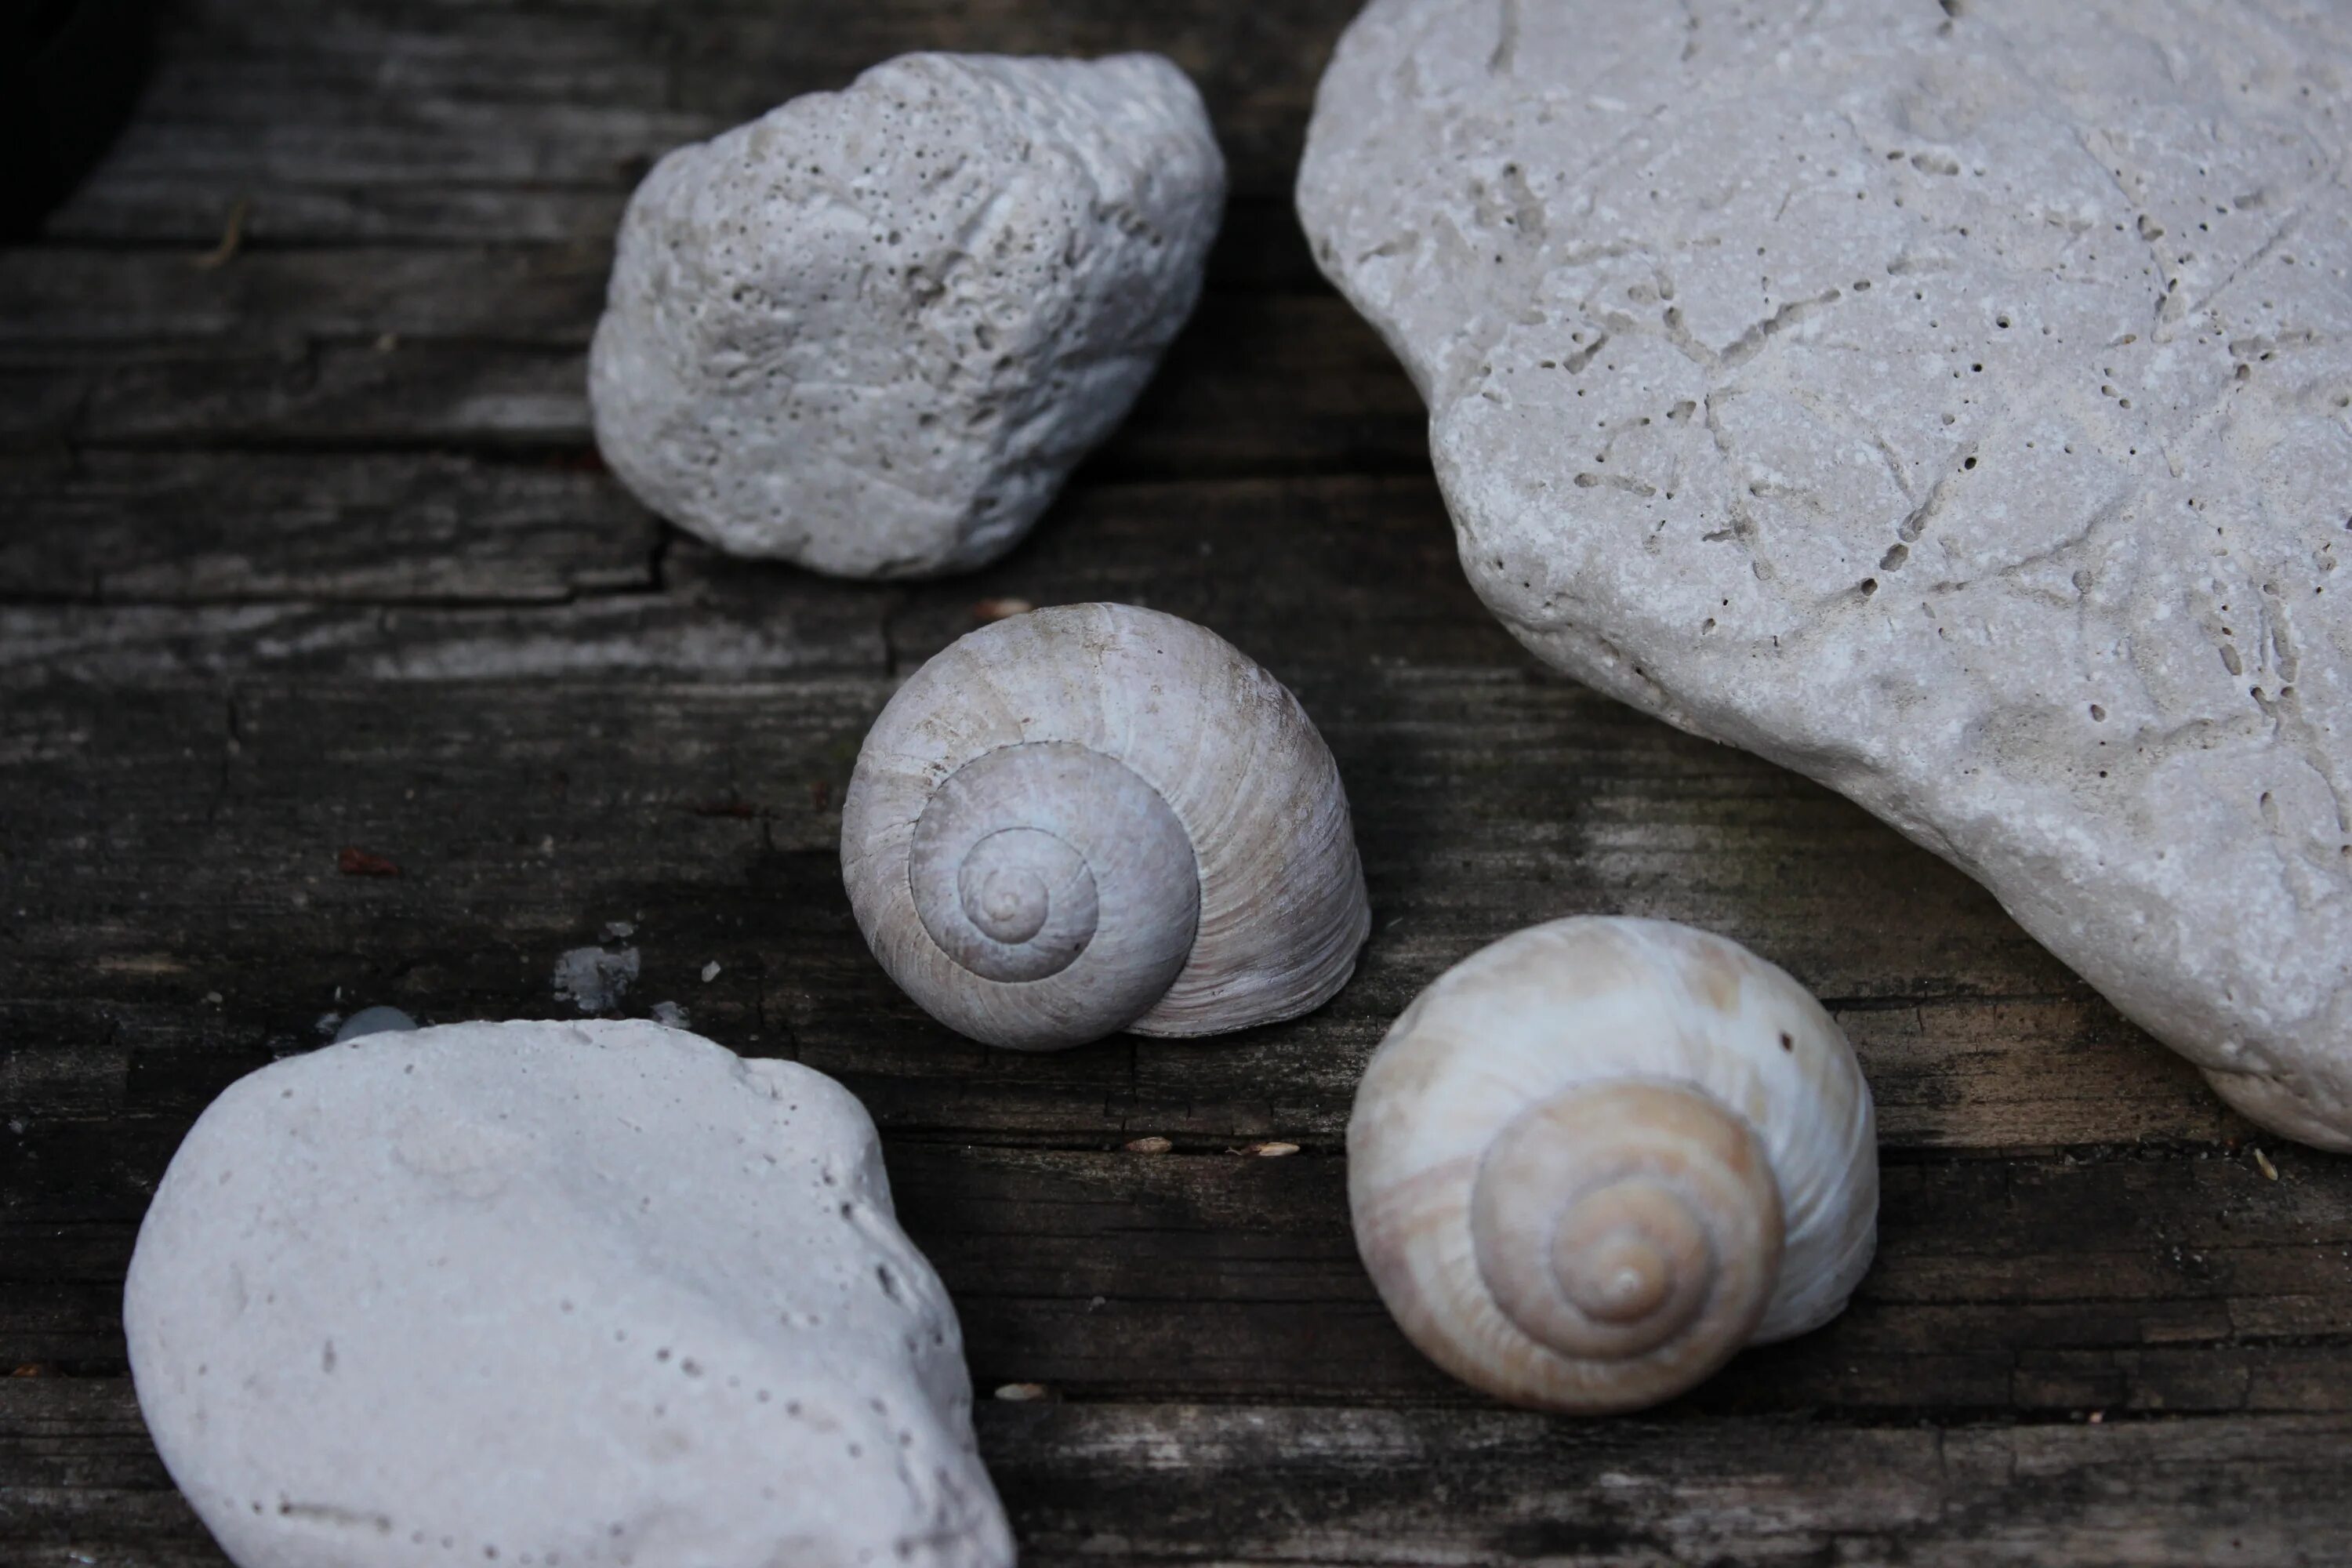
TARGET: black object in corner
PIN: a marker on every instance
(69, 72)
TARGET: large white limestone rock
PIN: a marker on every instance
(1947, 401)
(873, 331)
(551, 1294)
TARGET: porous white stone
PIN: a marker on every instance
(873, 331)
(1947, 401)
(563, 1294)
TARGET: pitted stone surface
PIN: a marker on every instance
(1948, 401)
(593, 1293)
(873, 331)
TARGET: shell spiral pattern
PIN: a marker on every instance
(1593, 1161)
(1098, 817)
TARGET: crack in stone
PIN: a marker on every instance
(1506, 39)
(1749, 343)
(2278, 237)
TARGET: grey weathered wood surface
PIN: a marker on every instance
(309, 550)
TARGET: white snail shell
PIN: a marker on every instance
(1097, 817)
(1594, 1160)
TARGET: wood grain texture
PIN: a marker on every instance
(525, 816)
(1275, 1484)
(2034, 1289)
(209, 528)
(311, 550)
(414, 122)
(1259, 386)
(1291, 1486)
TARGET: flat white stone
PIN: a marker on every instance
(873, 331)
(1947, 402)
(556, 1294)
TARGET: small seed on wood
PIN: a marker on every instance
(2262, 1163)
(353, 861)
(1267, 1151)
(1154, 1145)
(232, 239)
(1023, 1393)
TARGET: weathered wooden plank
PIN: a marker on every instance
(1295, 569)
(1257, 385)
(1276, 384)
(394, 122)
(234, 565)
(370, 140)
(2020, 1288)
(1338, 566)
(56, 299)
(80, 1482)
(168, 1055)
(1256, 66)
(1271, 1484)
(201, 392)
(129, 204)
(243, 62)
(59, 299)
(2058, 1070)
(209, 528)
(1489, 796)
(1323, 568)
(2017, 1288)
(172, 837)
(623, 636)
(1330, 570)
(1260, 1483)
(1581, 802)
(1260, 246)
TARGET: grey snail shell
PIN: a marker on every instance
(1098, 817)
(1593, 1161)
